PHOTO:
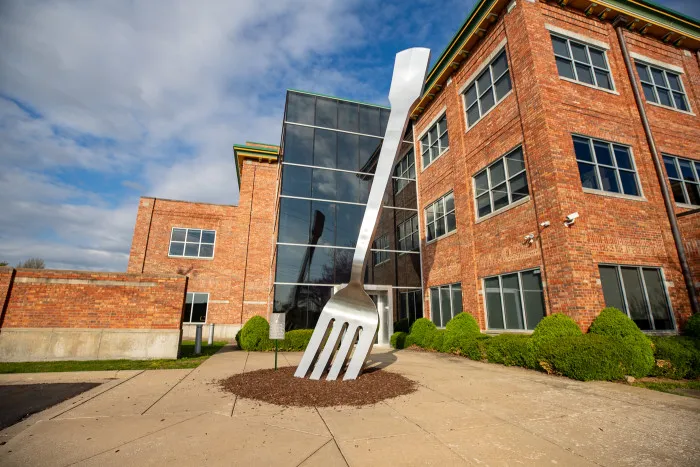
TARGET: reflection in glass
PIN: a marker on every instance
(326, 112)
(300, 108)
(325, 148)
(348, 152)
(295, 217)
(296, 181)
(298, 144)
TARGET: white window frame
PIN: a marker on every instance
(508, 178)
(185, 242)
(379, 245)
(426, 134)
(590, 64)
(206, 315)
(410, 221)
(452, 310)
(654, 86)
(522, 300)
(694, 166)
(444, 217)
(472, 81)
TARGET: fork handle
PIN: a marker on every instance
(406, 86)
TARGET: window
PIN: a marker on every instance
(662, 87)
(445, 303)
(640, 292)
(581, 62)
(405, 169)
(501, 183)
(407, 233)
(488, 89)
(192, 243)
(440, 217)
(606, 166)
(684, 176)
(196, 305)
(514, 301)
(435, 142)
(411, 305)
(380, 245)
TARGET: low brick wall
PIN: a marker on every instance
(77, 315)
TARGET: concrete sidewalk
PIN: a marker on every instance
(464, 413)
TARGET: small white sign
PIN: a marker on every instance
(277, 326)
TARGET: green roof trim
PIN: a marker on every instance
(337, 98)
(695, 21)
(263, 152)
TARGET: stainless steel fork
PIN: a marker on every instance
(351, 312)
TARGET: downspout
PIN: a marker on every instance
(659, 169)
(148, 236)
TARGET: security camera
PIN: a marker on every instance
(570, 219)
(544, 224)
(529, 238)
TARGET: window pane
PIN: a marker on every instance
(322, 230)
(603, 79)
(584, 73)
(559, 46)
(440, 227)
(565, 68)
(610, 283)
(300, 108)
(658, 77)
(657, 299)
(296, 181)
(193, 235)
(678, 193)
(579, 52)
(629, 183)
(679, 100)
(321, 269)
(325, 148)
(664, 97)
(503, 86)
(191, 249)
(670, 167)
(326, 112)
(511, 302)
(290, 260)
(342, 265)
(369, 120)
(622, 157)
(348, 151)
(674, 81)
(199, 308)
(481, 183)
(295, 220)
(515, 162)
(635, 298)
(298, 144)
(609, 180)
(518, 187)
(483, 204)
(493, 303)
(178, 235)
(471, 95)
(445, 305)
(648, 92)
(497, 172)
(500, 197)
(323, 184)
(643, 72)
(686, 170)
(348, 118)
(456, 299)
(487, 101)
(206, 251)
(588, 176)
(451, 222)
(483, 81)
(473, 114)
(499, 65)
(431, 232)
(435, 306)
(598, 58)
(602, 153)
(582, 149)
(450, 202)
(693, 193)
(444, 142)
(176, 249)
(534, 298)
(208, 236)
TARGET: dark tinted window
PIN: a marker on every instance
(300, 108)
(299, 144)
(348, 116)
(326, 112)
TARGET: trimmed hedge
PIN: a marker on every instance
(676, 357)
(639, 356)
(398, 340)
(692, 327)
(473, 348)
(510, 350)
(435, 340)
(461, 326)
(401, 325)
(586, 357)
(551, 328)
(421, 332)
(254, 334)
(294, 340)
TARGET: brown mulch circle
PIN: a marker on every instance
(280, 387)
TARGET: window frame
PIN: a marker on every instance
(378, 252)
(411, 220)
(417, 301)
(185, 242)
(441, 199)
(507, 180)
(695, 167)
(473, 82)
(654, 86)
(206, 313)
(616, 168)
(452, 313)
(426, 134)
(401, 179)
(522, 300)
(640, 271)
(590, 64)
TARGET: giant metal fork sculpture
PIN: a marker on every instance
(350, 311)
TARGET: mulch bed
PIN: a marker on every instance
(282, 388)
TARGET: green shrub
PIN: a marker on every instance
(552, 328)
(409, 341)
(255, 334)
(510, 350)
(676, 357)
(586, 357)
(238, 338)
(692, 327)
(401, 325)
(422, 328)
(463, 325)
(638, 357)
(472, 347)
(437, 340)
(294, 341)
(398, 340)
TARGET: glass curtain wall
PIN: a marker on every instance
(329, 153)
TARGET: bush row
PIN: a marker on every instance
(613, 347)
(254, 336)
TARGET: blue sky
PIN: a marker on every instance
(101, 102)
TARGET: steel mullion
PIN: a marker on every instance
(503, 303)
(595, 164)
(616, 168)
(646, 298)
(590, 63)
(573, 60)
(621, 282)
(677, 164)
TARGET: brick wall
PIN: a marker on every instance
(6, 275)
(690, 230)
(541, 113)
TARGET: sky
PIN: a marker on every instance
(105, 101)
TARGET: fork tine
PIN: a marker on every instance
(312, 349)
(362, 350)
(342, 355)
(328, 348)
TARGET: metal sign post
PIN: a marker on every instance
(276, 330)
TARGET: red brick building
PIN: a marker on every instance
(535, 192)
